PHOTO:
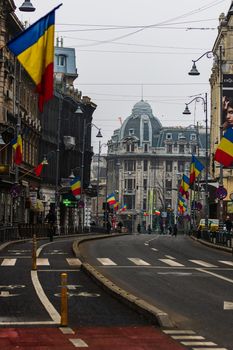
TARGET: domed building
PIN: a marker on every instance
(145, 162)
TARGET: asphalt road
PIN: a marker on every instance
(189, 281)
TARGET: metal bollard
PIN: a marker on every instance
(64, 300)
(34, 267)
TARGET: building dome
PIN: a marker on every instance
(141, 124)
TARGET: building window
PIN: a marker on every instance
(131, 132)
(146, 147)
(145, 165)
(180, 167)
(168, 185)
(129, 200)
(61, 60)
(145, 131)
(144, 204)
(169, 149)
(169, 166)
(144, 184)
(193, 149)
(130, 147)
(168, 136)
(129, 184)
(130, 165)
(193, 137)
(181, 148)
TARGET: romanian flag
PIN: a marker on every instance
(184, 186)
(75, 185)
(38, 169)
(224, 152)
(124, 207)
(195, 168)
(116, 206)
(34, 48)
(111, 199)
(18, 147)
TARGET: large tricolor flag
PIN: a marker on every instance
(18, 147)
(111, 199)
(38, 169)
(34, 48)
(75, 186)
(224, 152)
(195, 169)
(184, 186)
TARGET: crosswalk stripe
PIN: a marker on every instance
(73, 261)
(198, 343)
(171, 262)
(187, 337)
(202, 263)
(42, 262)
(78, 343)
(138, 261)
(176, 331)
(106, 261)
(209, 348)
(8, 262)
(226, 262)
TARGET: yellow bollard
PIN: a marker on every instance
(64, 300)
(34, 267)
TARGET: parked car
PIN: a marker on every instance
(213, 225)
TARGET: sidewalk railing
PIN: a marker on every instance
(221, 238)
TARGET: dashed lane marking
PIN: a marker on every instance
(74, 262)
(154, 249)
(170, 257)
(78, 343)
(42, 262)
(202, 263)
(171, 262)
(106, 261)
(226, 262)
(8, 262)
(176, 331)
(66, 330)
(138, 261)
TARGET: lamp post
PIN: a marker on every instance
(77, 111)
(98, 179)
(195, 72)
(27, 6)
(85, 126)
(186, 112)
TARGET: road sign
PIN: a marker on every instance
(221, 192)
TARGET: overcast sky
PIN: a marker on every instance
(127, 49)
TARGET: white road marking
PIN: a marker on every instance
(74, 261)
(188, 337)
(202, 263)
(106, 261)
(42, 262)
(209, 348)
(154, 249)
(138, 261)
(227, 262)
(66, 330)
(176, 331)
(78, 343)
(146, 243)
(216, 275)
(8, 262)
(43, 298)
(6, 294)
(171, 262)
(227, 305)
(169, 257)
(198, 343)
(37, 323)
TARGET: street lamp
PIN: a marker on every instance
(186, 112)
(98, 179)
(27, 6)
(78, 111)
(195, 72)
(99, 135)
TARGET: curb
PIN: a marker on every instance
(152, 313)
(212, 245)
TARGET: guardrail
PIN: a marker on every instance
(221, 238)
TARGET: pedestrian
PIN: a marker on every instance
(51, 218)
(139, 228)
(169, 229)
(119, 225)
(109, 226)
(149, 229)
(175, 230)
(228, 224)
